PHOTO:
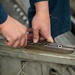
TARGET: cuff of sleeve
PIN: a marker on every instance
(34, 1)
(3, 15)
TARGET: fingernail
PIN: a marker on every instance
(50, 40)
(35, 41)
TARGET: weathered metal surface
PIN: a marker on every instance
(50, 47)
(9, 66)
(37, 55)
(13, 66)
(18, 61)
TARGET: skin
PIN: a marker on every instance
(41, 22)
(14, 32)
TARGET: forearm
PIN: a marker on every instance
(3, 15)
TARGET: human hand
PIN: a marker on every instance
(41, 25)
(15, 33)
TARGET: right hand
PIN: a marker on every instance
(15, 33)
(41, 22)
(41, 26)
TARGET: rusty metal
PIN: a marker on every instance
(51, 47)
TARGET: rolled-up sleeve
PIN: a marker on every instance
(3, 15)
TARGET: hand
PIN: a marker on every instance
(14, 32)
(41, 25)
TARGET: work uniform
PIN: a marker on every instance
(59, 14)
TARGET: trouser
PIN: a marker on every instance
(59, 11)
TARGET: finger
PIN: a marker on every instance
(0, 31)
(46, 34)
(16, 44)
(10, 42)
(35, 36)
(50, 39)
(25, 41)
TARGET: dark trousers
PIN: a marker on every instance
(59, 14)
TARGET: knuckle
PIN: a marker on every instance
(25, 29)
(23, 32)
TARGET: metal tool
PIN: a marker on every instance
(50, 47)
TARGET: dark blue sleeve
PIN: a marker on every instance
(3, 15)
(34, 1)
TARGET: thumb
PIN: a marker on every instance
(50, 39)
(35, 36)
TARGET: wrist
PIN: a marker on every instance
(43, 14)
(42, 8)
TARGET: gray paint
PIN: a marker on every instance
(24, 4)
